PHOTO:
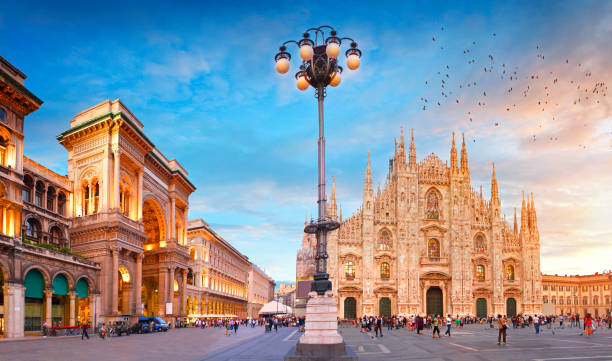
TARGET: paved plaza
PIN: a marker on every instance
(474, 342)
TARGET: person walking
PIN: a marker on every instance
(536, 323)
(501, 323)
(449, 322)
(379, 322)
(435, 327)
(588, 324)
(84, 331)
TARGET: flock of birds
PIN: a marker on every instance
(537, 89)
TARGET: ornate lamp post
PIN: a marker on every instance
(319, 68)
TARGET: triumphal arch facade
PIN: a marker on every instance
(130, 212)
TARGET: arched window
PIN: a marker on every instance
(554, 300)
(480, 272)
(585, 300)
(50, 198)
(607, 300)
(26, 192)
(57, 237)
(40, 190)
(432, 206)
(96, 197)
(192, 254)
(560, 300)
(385, 271)
(479, 244)
(3, 117)
(433, 248)
(595, 300)
(545, 300)
(32, 231)
(510, 272)
(61, 204)
(349, 270)
(4, 142)
(190, 277)
(385, 241)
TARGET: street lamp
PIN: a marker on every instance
(319, 68)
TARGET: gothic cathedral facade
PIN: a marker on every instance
(428, 243)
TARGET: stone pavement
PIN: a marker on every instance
(473, 342)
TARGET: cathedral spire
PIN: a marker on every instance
(412, 152)
(368, 180)
(523, 231)
(333, 192)
(515, 225)
(494, 191)
(464, 159)
(401, 152)
(453, 156)
(534, 222)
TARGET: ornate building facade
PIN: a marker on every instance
(428, 243)
(217, 283)
(567, 295)
(261, 290)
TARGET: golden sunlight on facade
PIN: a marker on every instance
(428, 243)
(108, 241)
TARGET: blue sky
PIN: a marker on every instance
(201, 78)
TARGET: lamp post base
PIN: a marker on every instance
(321, 340)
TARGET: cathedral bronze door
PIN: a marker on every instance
(384, 307)
(434, 301)
(510, 307)
(481, 307)
(350, 308)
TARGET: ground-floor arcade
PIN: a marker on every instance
(204, 304)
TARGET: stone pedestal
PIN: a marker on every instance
(321, 340)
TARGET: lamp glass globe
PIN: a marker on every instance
(302, 83)
(333, 50)
(353, 61)
(306, 52)
(335, 80)
(282, 65)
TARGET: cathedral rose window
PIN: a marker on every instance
(349, 270)
(432, 210)
(384, 243)
(433, 248)
(480, 272)
(385, 270)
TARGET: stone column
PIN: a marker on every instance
(115, 281)
(171, 289)
(98, 309)
(185, 226)
(92, 310)
(48, 313)
(14, 309)
(72, 309)
(139, 206)
(116, 179)
(173, 218)
(162, 290)
(138, 284)
(4, 223)
(183, 298)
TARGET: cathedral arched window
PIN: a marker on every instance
(510, 272)
(385, 241)
(480, 272)
(349, 270)
(480, 245)
(385, 271)
(432, 205)
(433, 248)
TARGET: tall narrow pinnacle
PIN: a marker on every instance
(401, 152)
(453, 156)
(333, 192)
(368, 172)
(515, 225)
(494, 191)
(412, 152)
(464, 160)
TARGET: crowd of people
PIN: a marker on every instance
(231, 325)
(435, 323)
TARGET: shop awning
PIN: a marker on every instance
(60, 285)
(82, 288)
(34, 284)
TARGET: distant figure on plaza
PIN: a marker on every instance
(276, 325)
(449, 322)
(84, 331)
(536, 324)
(588, 324)
(436, 321)
(501, 322)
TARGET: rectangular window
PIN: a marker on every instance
(25, 195)
(545, 287)
(553, 288)
(38, 199)
(595, 288)
(585, 288)
(606, 287)
(567, 288)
